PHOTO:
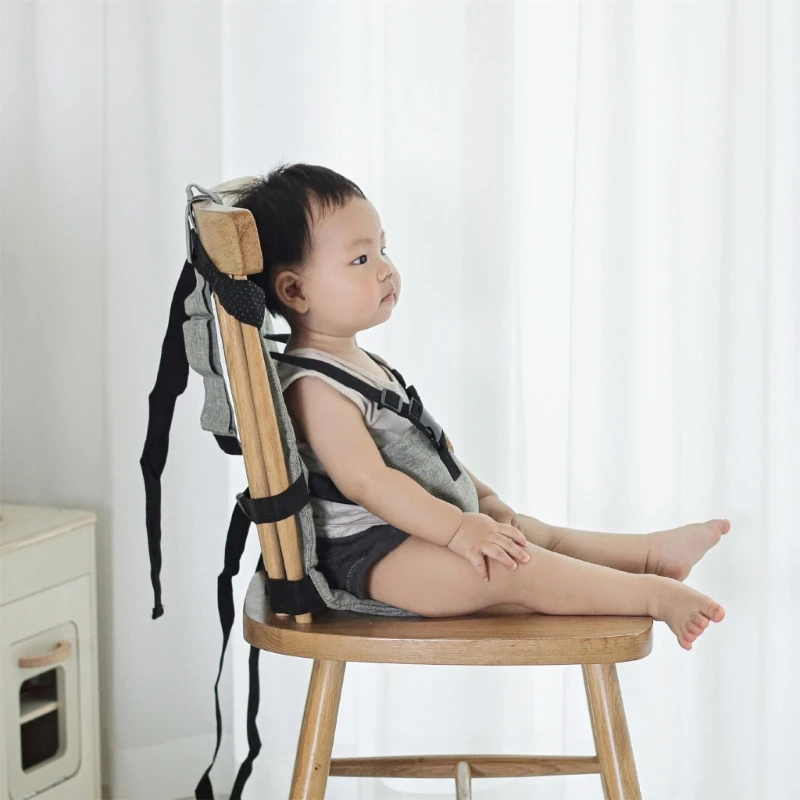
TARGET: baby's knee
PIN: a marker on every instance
(513, 584)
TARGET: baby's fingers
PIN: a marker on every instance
(479, 562)
(520, 553)
(513, 533)
(497, 552)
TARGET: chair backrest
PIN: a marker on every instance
(229, 236)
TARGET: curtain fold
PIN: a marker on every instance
(594, 208)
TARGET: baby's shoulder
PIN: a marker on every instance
(316, 393)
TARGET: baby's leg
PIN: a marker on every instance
(671, 553)
(435, 582)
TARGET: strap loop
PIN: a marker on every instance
(294, 597)
(271, 508)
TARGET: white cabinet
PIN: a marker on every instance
(49, 711)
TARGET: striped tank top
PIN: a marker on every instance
(332, 519)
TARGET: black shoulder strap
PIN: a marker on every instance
(284, 337)
(319, 485)
(385, 398)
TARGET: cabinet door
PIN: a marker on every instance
(46, 710)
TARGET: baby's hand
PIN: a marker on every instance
(479, 536)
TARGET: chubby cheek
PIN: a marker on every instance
(352, 298)
(335, 289)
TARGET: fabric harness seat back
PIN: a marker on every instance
(192, 339)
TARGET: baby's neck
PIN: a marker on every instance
(339, 346)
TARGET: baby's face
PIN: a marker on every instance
(348, 273)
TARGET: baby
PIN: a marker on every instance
(327, 272)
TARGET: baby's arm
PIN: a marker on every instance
(334, 429)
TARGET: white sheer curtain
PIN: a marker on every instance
(594, 208)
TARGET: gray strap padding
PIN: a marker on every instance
(202, 352)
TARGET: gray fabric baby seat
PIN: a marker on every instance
(205, 355)
(193, 339)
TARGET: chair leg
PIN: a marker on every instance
(313, 761)
(610, 730)
(463, 781)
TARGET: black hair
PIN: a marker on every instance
(281, 204)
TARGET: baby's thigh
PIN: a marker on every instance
(433, 581)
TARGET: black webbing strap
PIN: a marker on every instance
(285, 596)
(234, 547)
(386, 398)
(171, 381)
(322, 487)
(253, 739)
(279, 506)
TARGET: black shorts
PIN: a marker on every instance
(346, 562)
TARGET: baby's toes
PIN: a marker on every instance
(726, 525)
(685, 642)
(699, 619)
(714, 611)
(694, 629)
(721, 526)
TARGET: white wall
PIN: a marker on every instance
(594, 208)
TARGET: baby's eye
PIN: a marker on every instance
(363, 262)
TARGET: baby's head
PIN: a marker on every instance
(325, 269)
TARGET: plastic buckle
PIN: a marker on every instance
(415, 408)
(383, 404)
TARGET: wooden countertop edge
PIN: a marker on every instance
(66, 527)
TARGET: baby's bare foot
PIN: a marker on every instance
(686, 611)
(673, 553)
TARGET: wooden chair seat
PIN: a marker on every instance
(488, 638)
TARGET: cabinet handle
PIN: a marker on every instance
(61, 652)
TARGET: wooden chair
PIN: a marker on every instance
(493, 637)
